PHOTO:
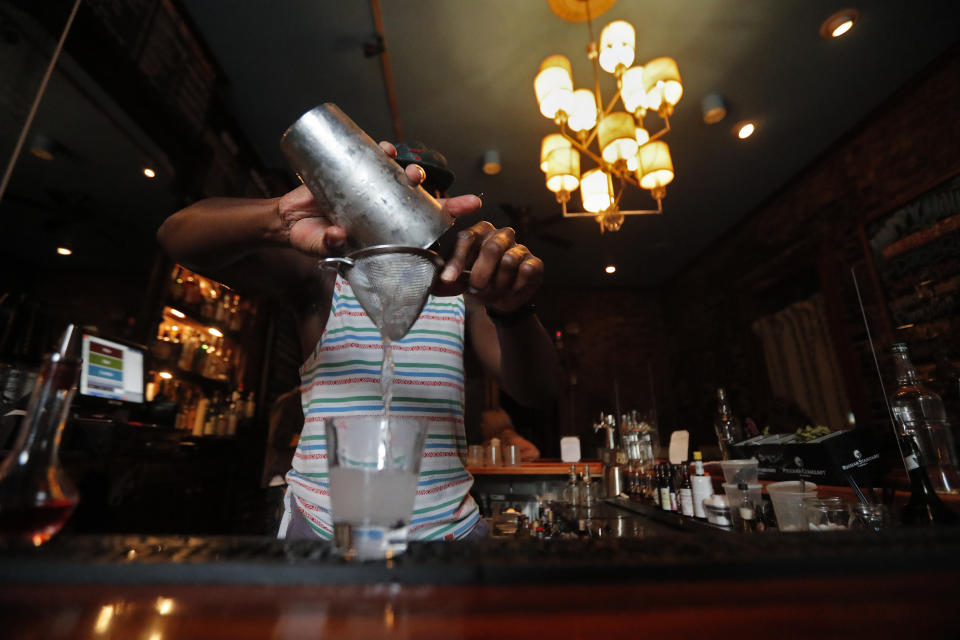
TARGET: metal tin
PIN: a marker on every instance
(362, 188)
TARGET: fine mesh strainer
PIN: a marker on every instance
(391, 283)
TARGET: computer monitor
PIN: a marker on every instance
(112, 373)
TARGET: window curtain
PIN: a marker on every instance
(801, 361)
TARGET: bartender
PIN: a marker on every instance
(273, 245)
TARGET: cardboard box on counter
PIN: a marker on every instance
(825, 460)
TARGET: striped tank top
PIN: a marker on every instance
(342, 378)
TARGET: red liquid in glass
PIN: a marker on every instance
(33, 525)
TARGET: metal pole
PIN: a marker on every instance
(36, 100)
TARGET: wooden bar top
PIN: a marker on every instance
(538, 468)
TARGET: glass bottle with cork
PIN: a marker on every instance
(922, 419)
(36, 496)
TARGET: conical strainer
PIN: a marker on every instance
(391, 283)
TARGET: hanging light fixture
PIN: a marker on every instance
(626, 152)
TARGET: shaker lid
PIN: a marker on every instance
(439, 177)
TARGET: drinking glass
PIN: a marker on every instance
(825, 514)
(475, 455)
(869, 517)
(374, 465)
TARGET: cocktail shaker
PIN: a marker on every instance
(362, 188)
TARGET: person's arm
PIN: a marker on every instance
(250, 242)
(517, 352)
(515, 349)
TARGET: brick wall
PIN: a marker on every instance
(813, 227)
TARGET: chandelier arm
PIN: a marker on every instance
(584, 148)
(662, 132)
(612, 104)
(575, 214)
(616, 200)
(642, 212)
(627, 177)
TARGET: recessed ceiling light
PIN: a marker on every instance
(744, 130)
(610, 268)
(150, 173)
(839, 23)
(64, 251)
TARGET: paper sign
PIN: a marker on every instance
(679, 446)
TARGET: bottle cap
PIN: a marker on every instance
(697, 455)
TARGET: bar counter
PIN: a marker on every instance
(630, 581)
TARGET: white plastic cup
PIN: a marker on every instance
(787, 498)
(374, 469)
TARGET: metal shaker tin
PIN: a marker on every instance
(363, 190)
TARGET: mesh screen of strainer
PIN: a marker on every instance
(392, 287)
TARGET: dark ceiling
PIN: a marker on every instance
(463, 73)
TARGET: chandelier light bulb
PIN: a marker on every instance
(596, 191)
(656, 167)
(661, 81)
(584, 114)
(549, 144)
(617, 41)
(563, 170)
(617, 136)
(554, 86)
(632, 93)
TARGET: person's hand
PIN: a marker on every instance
(503, 274)
(527, 451)
(309, 229)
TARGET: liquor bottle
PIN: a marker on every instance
(655, 485)
(920, 416)
(727, 426)
(674, 486)
(698, 463)
(586, 494)
(746, 509)
(177, 285)
(686, 491)
(702, 486)
(571, 490)
(665, 502)
(924, 507)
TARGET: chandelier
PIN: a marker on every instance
(627, 153)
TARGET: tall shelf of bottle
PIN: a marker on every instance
(200, 355)
(916, 254)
